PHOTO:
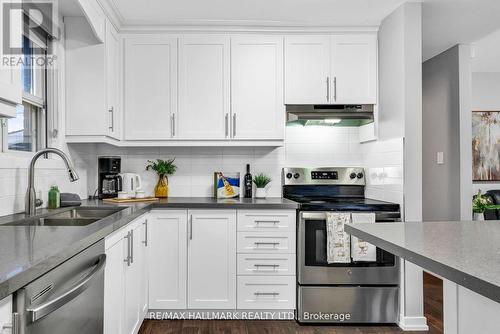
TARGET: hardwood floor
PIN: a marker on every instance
(433, 303)
(257, 327)
(433, 309)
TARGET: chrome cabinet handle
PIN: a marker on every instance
(132, 246)
(335, 88)
(234, 125)
(191, 227)
(266, 293)
(266, 243)
(15, 323)
(328, 88)
(145, 242)
(128, 258)
(172, 121)
(272, 267)
(112, 112)
(274, 222)
(226, 126)
(41, 311)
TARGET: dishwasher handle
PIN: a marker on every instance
(35, 314)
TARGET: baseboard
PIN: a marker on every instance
(413, 323)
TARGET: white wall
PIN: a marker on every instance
(485, 97)
(400, 115)
(304, 147)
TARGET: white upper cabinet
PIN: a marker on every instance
(150, 87)
(307, 69)
(337, 69)
(10, 76)
(354, 69)
(92, 80)
(258, 110)
(212, 259)
(113, 79)
(204, 87)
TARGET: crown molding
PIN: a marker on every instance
(112, 12)
(151, 29)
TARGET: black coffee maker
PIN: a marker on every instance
(109, 180)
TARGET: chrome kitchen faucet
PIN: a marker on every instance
(31, 201)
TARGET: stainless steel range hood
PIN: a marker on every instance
(339, 115)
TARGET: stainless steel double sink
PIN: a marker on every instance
(80, 216)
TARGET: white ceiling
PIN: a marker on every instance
(487, 54)
(255, 12)
(446, 23)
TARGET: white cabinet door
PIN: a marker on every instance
(86, 113)
(132, 285)
(150, 92)
(354, 69)
(307, 69)
(212, 259)
(142, 263)
(204, 87)
(112, 80)
(10, 76)
(258, 109)
(167, 259)
(114, 288)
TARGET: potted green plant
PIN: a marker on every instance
(163, 168)
(261, 181)
(480, 204)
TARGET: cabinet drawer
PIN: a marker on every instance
(266, 264)
(267, 220)
(264, 292)
(270, 242)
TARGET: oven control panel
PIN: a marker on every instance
(324, 175)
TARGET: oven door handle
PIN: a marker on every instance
(35, 314)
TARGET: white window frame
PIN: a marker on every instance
(46, 83)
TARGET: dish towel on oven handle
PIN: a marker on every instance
(360, 249)
(338, 249)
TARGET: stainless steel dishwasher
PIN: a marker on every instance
(67, 299)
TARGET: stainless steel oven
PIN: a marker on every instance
(314, 268)
(353, 292)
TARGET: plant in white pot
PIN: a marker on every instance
(261, 181)
(480, 204)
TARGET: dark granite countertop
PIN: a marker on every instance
(27, 252)
(467, 253)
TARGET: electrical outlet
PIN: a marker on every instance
(440, 158)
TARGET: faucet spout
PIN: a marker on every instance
(31, 201)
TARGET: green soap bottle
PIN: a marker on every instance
(54, 198)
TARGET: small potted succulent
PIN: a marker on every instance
(163, 168)
(480, 204)
(261, 181)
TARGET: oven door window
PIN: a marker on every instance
(315, 249)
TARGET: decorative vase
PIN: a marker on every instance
(260, 193)
(161, 189)
(478, 216)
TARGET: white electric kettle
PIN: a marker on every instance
(130, 183)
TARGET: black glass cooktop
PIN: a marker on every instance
(342, 204)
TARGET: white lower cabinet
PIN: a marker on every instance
(168, 259)
(265, 292)
(266, 260)
(212, 259)
(125, 278)
(221, 259)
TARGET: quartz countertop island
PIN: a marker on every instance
(465, 254)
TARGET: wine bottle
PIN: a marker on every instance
(248, 183)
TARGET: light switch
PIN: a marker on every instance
(440, 158)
